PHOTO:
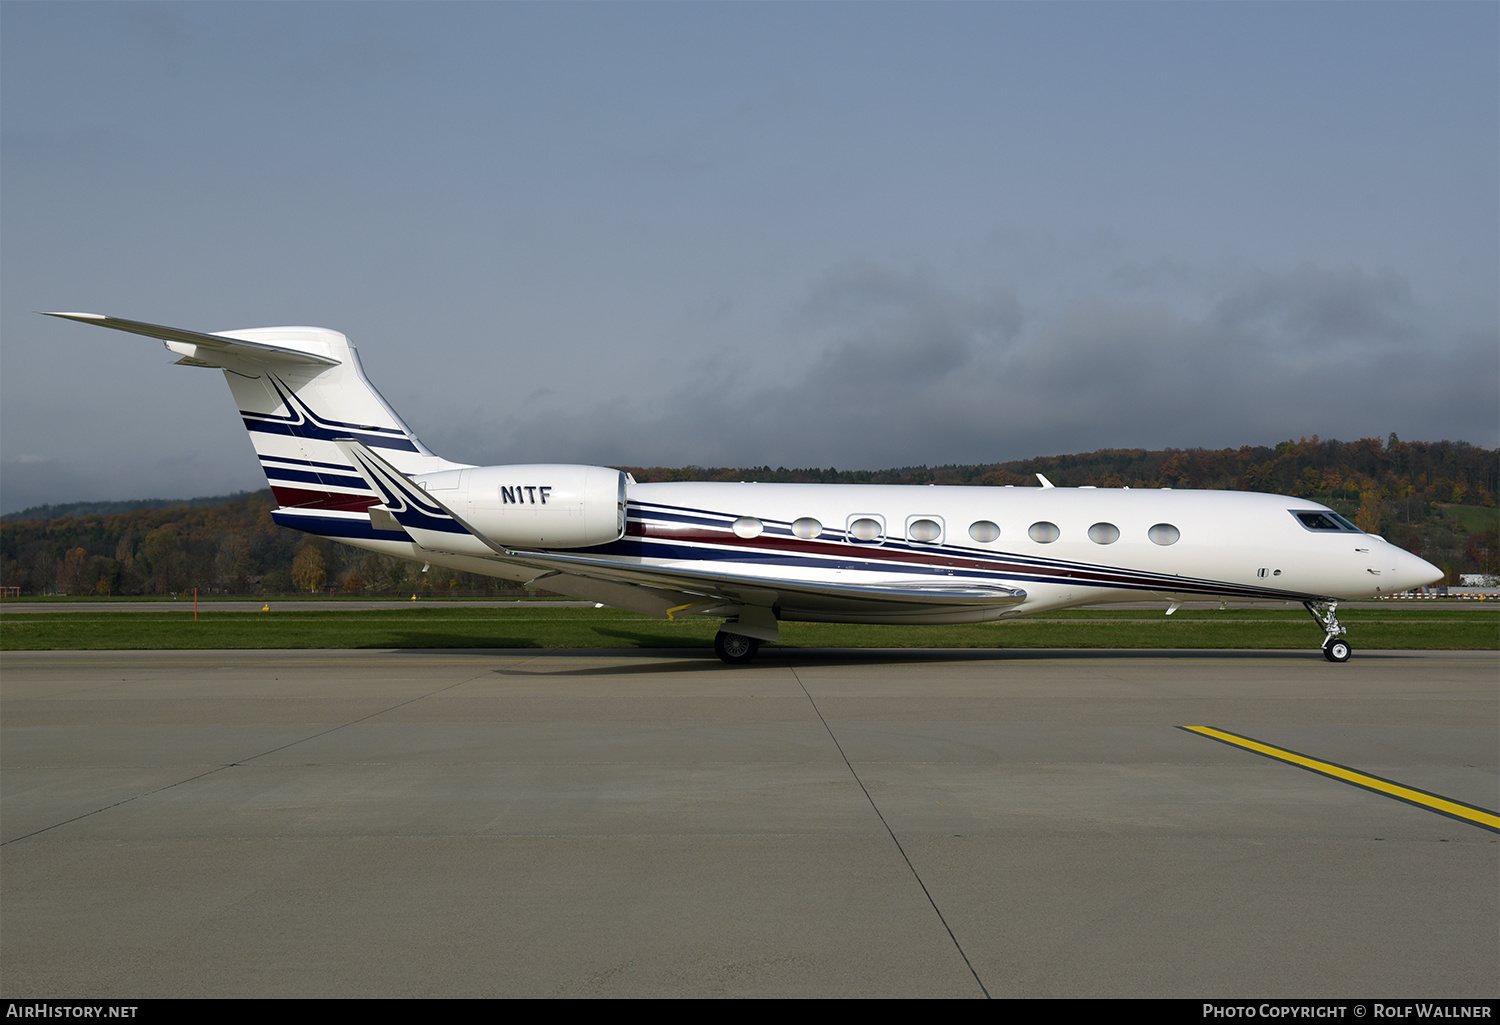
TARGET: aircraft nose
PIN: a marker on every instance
(1412, 571)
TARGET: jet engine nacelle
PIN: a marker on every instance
(542, 505)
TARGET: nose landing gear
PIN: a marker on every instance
(1325, 614)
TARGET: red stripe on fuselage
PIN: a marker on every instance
(838, 549)
(994, 565)
(298, 498)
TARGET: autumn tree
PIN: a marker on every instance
(309, 569)
(73, 576)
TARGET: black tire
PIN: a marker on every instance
(1337, 651)
(735, 649)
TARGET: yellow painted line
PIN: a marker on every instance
(1482, 817)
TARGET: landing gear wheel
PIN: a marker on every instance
(1325, 613)
(735, 649)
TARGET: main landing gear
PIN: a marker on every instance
(1325, 613)
(735, 649)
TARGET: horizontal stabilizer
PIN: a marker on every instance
(427, 521)
(205, 346)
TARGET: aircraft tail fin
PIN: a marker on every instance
(299, 390)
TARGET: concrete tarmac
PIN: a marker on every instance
(820, 823)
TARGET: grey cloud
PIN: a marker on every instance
(31, 481)
(902, 370)
(1321, 307)
(885, 327)
(1145, 276)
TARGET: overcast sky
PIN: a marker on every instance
(852, 235)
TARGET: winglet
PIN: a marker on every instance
(1045, 482)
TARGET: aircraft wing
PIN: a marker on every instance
(762, 590)
(435, 527)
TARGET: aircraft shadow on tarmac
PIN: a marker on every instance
(646, 659)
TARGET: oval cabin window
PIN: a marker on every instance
(865, 529)
(807, 528)
(1104, 533)
(748, 526)
(984, 531)
(924, 530)
(1164, 534)
(1044, 533)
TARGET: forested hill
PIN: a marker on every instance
(1437, 499)
(1443, 471)
(230, 546)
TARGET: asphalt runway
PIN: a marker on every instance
(820, 823)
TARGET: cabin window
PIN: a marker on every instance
(1104, 533)
(984, 531)
(866, 529)
(807, 528)
(924, 529)
(1044, 533)
(748, 526)
(1164, 534)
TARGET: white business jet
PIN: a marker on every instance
(343, 465)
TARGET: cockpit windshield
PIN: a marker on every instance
(1325, 520)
